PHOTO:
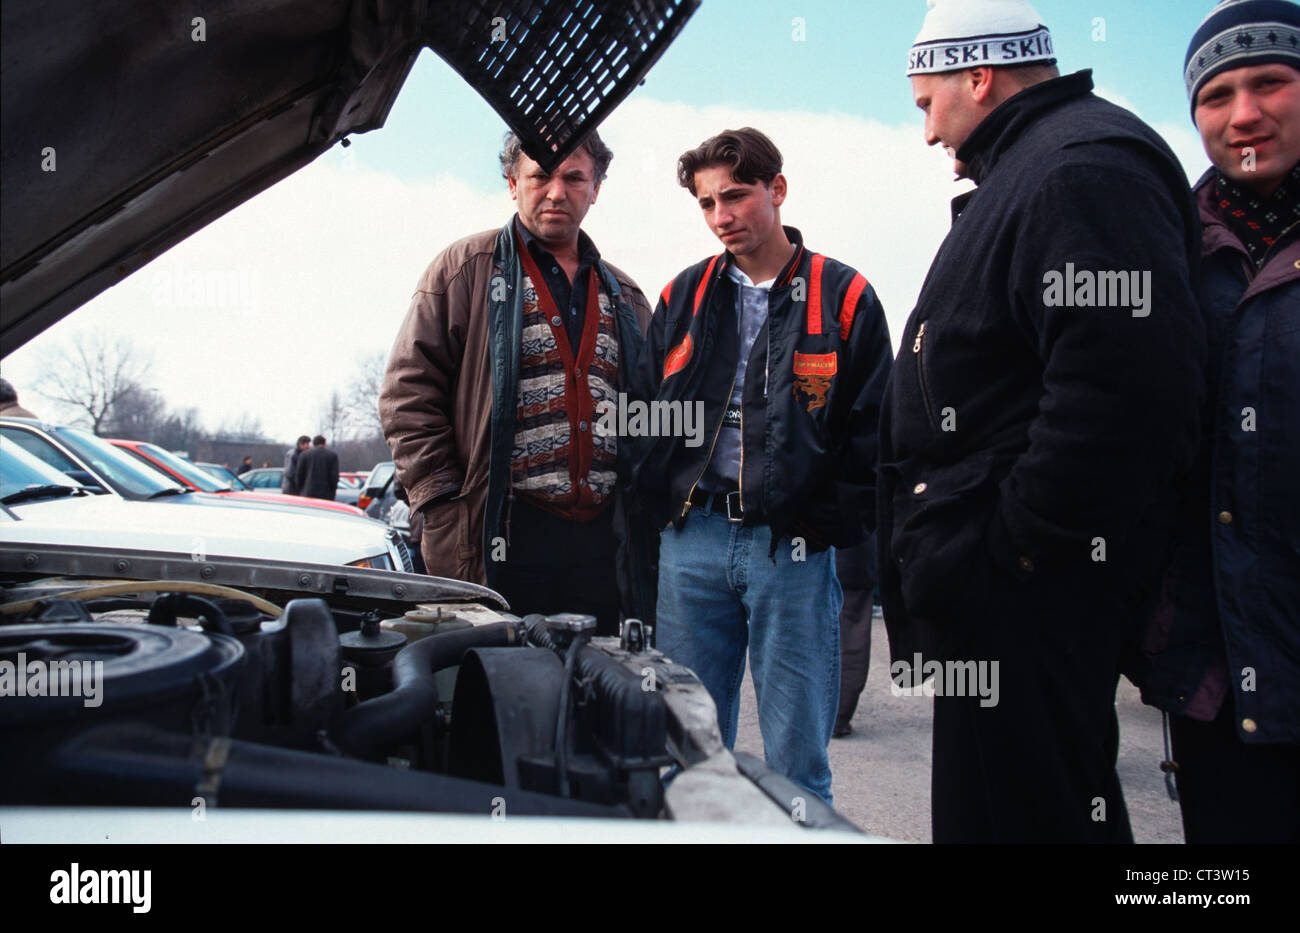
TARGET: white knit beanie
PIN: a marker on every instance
(961, 34)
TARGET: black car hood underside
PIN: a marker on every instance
(127, 125)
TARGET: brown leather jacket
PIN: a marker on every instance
(444, 381)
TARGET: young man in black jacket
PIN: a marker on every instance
(1038, 419)
(784, 354)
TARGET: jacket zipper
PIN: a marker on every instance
(686, 506)
(918, 348)
(740, 480)
(1264, 260)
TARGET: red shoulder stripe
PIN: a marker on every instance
(851, 304)
(663, 296)
(815, 295)
(704, 284)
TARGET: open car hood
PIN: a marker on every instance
(130, 124)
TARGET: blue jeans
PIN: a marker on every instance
(719, 593)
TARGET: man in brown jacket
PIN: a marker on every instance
(515, 342)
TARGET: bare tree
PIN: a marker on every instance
(92, 374)
(334, 419)
(136, 415)
(180, 430)
(362, 400)
(244, 428)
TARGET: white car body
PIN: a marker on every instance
(190, 524)
(107, 521)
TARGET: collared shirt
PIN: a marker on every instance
(723, 472)
(570, 297)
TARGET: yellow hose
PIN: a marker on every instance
(150, 586)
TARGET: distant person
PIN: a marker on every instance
(289, 481)
(317, 472)
(245, 466)
(1224, 647)
(9, 402)
(856, 568)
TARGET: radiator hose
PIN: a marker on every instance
(369, 727)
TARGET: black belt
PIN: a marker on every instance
(726, 503)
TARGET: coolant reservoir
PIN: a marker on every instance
(429, 618)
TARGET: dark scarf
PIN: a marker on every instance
(1257, 220)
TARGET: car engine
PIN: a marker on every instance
(159, 680)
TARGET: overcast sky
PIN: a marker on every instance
(268, 309)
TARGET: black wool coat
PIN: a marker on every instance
(1043, 406)
(318, 473)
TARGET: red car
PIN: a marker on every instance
(192, 477)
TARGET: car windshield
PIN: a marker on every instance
(128, 477)
(223, 476)
(380, 475)
(183, 468)
(20, 470)
(263, 479)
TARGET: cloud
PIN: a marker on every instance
(268, 309)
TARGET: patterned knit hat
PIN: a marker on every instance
(1240, 33)
(961, 34)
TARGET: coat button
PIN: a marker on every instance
(582, 481)
(1297, 263)
(1248, 725)
(919, 488)
(582, 425)
(555, 321)
(1026, 565)
(1225, 518)
(578, 372)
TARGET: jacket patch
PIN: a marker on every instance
(678, 357)
(812, 378)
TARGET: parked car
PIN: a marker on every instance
(222, 474)
(88, 459)
(377, 492)
(263, 479)
(266, 479)
(52, 508)
(189, 474)
(347, 492)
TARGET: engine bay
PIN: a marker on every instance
(158, 680)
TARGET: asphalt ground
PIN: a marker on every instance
(881, 772)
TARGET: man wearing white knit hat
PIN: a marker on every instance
(1035, 428)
